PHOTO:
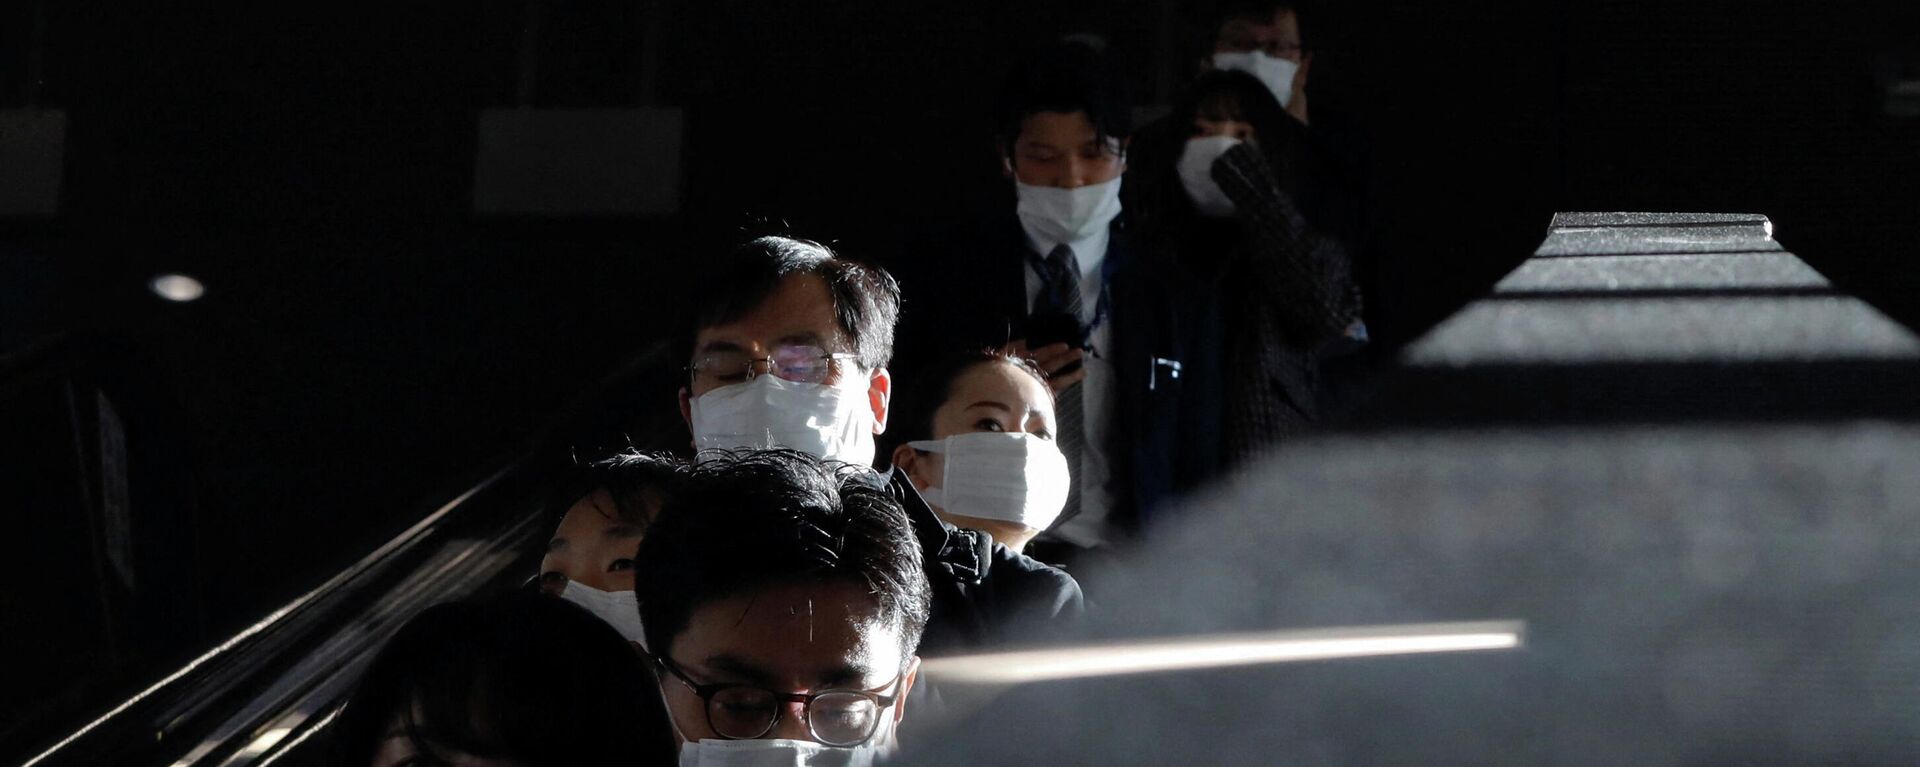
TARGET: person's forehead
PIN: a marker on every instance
(1058, 128)
(588, 515)
(1016, 394)
(800, 635)
(800, 309)
(997, 382)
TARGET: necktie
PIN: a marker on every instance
(1061, 294)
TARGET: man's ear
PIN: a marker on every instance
(907, 461)
(1006, 165)
(880, 396)
(906, 686)
(903, 458)
(686, 406)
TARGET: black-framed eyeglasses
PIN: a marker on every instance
(801, 363)
(1238, 37)
(745, 712)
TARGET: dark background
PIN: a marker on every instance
(368, 346)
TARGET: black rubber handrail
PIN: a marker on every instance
(216, 707)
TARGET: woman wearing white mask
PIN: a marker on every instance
(981, 447)
(1234, 197)
(604, 509)
(976, 446)
(788, 346)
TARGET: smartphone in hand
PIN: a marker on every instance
(1051, 328)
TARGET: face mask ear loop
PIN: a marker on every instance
(660, 686)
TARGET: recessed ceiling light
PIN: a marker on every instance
(177, 287)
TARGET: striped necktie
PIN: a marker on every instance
(1061, 294)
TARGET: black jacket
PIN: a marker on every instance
(985, 595)
(1278, 275)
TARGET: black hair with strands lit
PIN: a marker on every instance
(866, 299)
(749, 520)
(638, 481)
(1067, 77)
(929, 389)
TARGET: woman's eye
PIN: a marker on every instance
(620, 565)
(988, 424)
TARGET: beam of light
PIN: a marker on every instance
(177, 288)
(265, 742)
(302, 738)
(1222, 650)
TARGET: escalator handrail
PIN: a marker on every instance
(123, 720)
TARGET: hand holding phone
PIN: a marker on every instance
(1056, 344)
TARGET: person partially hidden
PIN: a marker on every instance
(784, 598)
(519, 679)
(788, 347)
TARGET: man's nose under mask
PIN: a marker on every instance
(828, 421)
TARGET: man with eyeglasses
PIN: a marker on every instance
(1262, 38)
(789, 348)
(783, 598)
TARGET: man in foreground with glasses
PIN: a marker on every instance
(789, 348)
(783, 598)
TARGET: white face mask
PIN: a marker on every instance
(1275, 73)
(1017, 478)
(620, 609)
(1068, 215)
(1196, 174)
(769, 411)
(773, 753)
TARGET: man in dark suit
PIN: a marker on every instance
(1052, 276)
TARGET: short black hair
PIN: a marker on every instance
(638, 481)
(1159, 205)
(1227, 94)
(1064, 77)
(522, 676)
(921, 396)
(750, 519)
(866, 299)
(1263, 11)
